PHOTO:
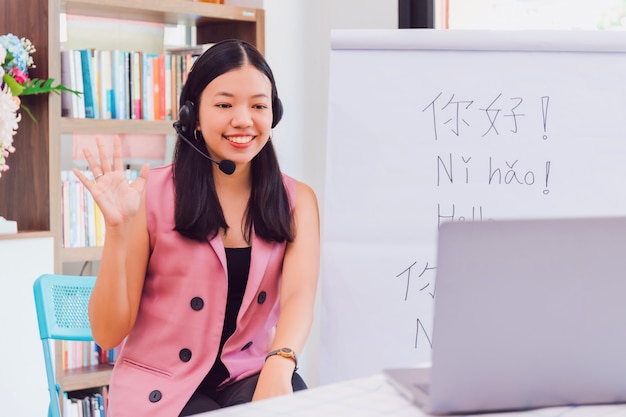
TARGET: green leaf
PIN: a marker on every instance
(37, 86)
(9, 57)
(15, 87)
(27, 110)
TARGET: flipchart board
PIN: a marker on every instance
(427, 126)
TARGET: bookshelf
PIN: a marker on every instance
(30, 192)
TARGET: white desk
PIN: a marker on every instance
(374, 397)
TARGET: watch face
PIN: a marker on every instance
(285, 353)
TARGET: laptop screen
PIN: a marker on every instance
(529, 313)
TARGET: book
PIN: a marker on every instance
(66, 79)
(88, 82)
(80, 214)
(120, 84)
(168, 87)
(91, 221)
(100, 404)
(86, 406)
(77, 83)
(135, 83)
(147, 83)
(105, 399)
(157, 65)
(106, 84)
(95, 74)
(73, 209)
(65, 208)
(189, 50)
(176, 84)
(126, 59)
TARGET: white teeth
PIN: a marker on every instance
(240, 139)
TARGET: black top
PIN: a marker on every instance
(238, 265)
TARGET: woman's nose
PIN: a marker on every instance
(241, 117)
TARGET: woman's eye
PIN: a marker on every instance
(260, 106)
(223, 105)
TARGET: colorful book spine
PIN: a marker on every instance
(126, 60)
(86, 64)
(168, 86)
(120, 84)
(65, 210)
(106, 85)
(156, 87)
(95, 81)
(77, 84)
(123, 85)
(147, 103)
(135, 82)
(67, 107)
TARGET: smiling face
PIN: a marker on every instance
(235, 114)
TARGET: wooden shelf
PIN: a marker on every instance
(81, 254)
(111, 126)
(165, 11)
(25, 235)
(214, 21)
(87, 377)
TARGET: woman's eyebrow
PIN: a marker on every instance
(230, 95)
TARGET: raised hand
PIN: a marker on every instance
(118, 199)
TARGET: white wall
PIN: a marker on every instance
(297, 46)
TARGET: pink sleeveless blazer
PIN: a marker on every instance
(177, 334)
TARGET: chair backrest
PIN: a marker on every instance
(61, 302)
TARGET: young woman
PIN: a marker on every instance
(208, 275)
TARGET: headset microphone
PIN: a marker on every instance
(226, 166)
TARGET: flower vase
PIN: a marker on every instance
(7, 226)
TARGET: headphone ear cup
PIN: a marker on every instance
(187, 117)
(277, 111)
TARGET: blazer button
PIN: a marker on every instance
(197, 303)
(261, 298)
(184, 355)
(155, 396)
(246, 346)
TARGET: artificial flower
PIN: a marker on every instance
(15, 61)
(9, 105)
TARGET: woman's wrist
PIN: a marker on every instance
(282, 354)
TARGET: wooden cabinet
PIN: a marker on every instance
(30, 192)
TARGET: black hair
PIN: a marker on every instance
(198, 214)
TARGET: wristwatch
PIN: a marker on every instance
(285, 353)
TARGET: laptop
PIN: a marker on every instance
(527, 314)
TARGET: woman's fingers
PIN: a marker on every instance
(88, 183)
(118, 164)
(105, 164)
(93, 164)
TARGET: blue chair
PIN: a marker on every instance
(61, 302)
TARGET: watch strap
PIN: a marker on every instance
(285, 353)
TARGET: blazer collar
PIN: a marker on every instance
(259, 259)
